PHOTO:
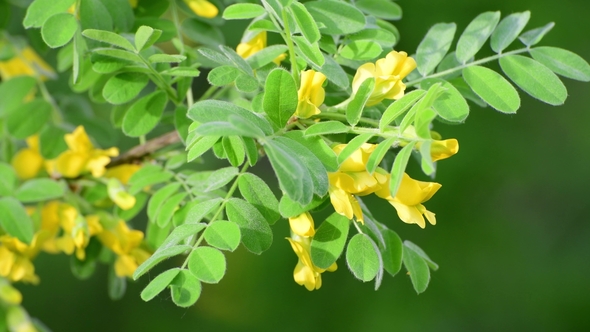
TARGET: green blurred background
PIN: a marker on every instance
(512, 242)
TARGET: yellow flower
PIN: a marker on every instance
(122, 172)
(255, 45)
(305, 273)
(119, 196)
(76, 231)
(125, 243)
(28, 162)
(16, 256)
(352, 179)
(202, 8)
(9, 294)
(443, 149)
(311, 94)
(409, 198)
(82, 156)
(302, 224)
(26, 63)
(388, 73)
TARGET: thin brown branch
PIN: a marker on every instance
(151, 146)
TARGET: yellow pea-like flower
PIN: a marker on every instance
(254, 45)
(122, 172)
(443, 149)
(28, 162)
(82, 156)
(28, 63)
(202, 8)
(311, 94)
(126, 244)
(302, 224)
(306, 273)
(388, 73)
(409, 198)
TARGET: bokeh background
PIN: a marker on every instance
(512, 242)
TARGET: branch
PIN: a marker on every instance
(140, 151)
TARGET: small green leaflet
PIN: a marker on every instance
(399, 167)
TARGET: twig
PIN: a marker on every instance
(150, 146)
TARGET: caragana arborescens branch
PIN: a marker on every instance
(339, 117)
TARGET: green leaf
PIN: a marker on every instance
(95, 15)
(305, 22)
(146, 36)
(318, 147)
(422, 254)
(207, 264)
(329, 240)
(15, 221)
(399, 107)
(219, 178)
(316, 169)
(237, 60)
(363, 258)
(202, 32)
(216, 110)
(201, 210)
(256, 233)
(233, 146)
(37, 190)
(294, 178)
(241, 11)
(40, 10)
(399, 167)
(257, 193)
(223, 75)
(223, 234)
(492, 88)
(251, 150)
(265, 56)
(121, 13)
(109, 38)
(159, 197)
(116, 285)
(158, 284)
(166, 211)
(354, 110)
(118, 54)
(160, 255)
(280, 97)
(246, 83)
(475, 35)
(185, 289)
(18, 88)
(532, 37)
(381, 36)
(378, 154)
(29, 118)
(450, 106)
(180, 233)
(144, 114)
(289, 208)
(310, 51)
(434, 46)
(334, 73)
(338, 18)
(166, 58)
(181, 72)
(166, 26)
(326, 128)
(352, 146)
(51, 142)
(392, 253)
(148, 175)
(426, 161)
(59, 29)
(417, 269)
(562, 62)
(124, 87)
(361, 50)
(200, 147)
(384, 9)
(534, 78)
(8, 180)
(508, 29)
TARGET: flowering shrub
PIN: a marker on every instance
(336, 111)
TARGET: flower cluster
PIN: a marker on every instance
(63, 229)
